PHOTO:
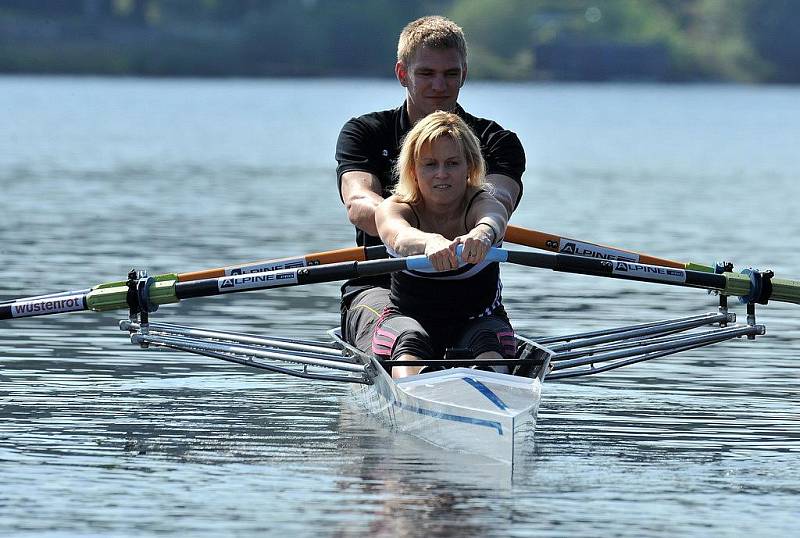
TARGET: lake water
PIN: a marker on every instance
(99, 438)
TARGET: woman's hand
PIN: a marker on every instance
(441, 252)
(476, 244)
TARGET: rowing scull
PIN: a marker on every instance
(461, 408)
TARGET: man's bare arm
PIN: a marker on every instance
(361, 192)
(505, 189)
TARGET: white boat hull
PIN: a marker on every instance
(484, 413)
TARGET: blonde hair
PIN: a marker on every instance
(434, 32)
(429, 129)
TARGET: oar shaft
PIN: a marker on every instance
(42, 306)
(726, 283)
(568, 263)
(45, 296)
(317, 258)
(171, 291)
(785, 290)
(288, 277)
(576, 247)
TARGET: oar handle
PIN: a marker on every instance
(421, 263)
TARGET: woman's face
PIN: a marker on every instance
(441, 171)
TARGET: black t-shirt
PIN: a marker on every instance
(371, 143)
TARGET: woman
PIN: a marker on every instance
(439, 203)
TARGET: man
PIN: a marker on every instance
(432, 67)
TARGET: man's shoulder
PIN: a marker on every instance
(375, 120)
(501, 148)
(478, 124)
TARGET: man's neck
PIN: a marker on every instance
(415, 115)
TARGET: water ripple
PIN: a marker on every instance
(98, 437)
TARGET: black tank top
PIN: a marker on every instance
(467, 292)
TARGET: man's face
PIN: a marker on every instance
(432, 80)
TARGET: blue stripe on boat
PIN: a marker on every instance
(455, 418)
(486, 391)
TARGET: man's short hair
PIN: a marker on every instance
(434, 32)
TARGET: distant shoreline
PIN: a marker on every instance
(474, 80)
(753, 42)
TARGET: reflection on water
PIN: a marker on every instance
(98, 437)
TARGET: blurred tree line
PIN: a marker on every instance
(667, 40)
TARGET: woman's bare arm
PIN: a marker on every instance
(488, 218)
(393, 220)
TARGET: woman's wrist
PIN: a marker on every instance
(491, 229)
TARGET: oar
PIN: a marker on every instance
(751, 286)
(317, 258)
(148, 294)
(514, 234)
(576, 247)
